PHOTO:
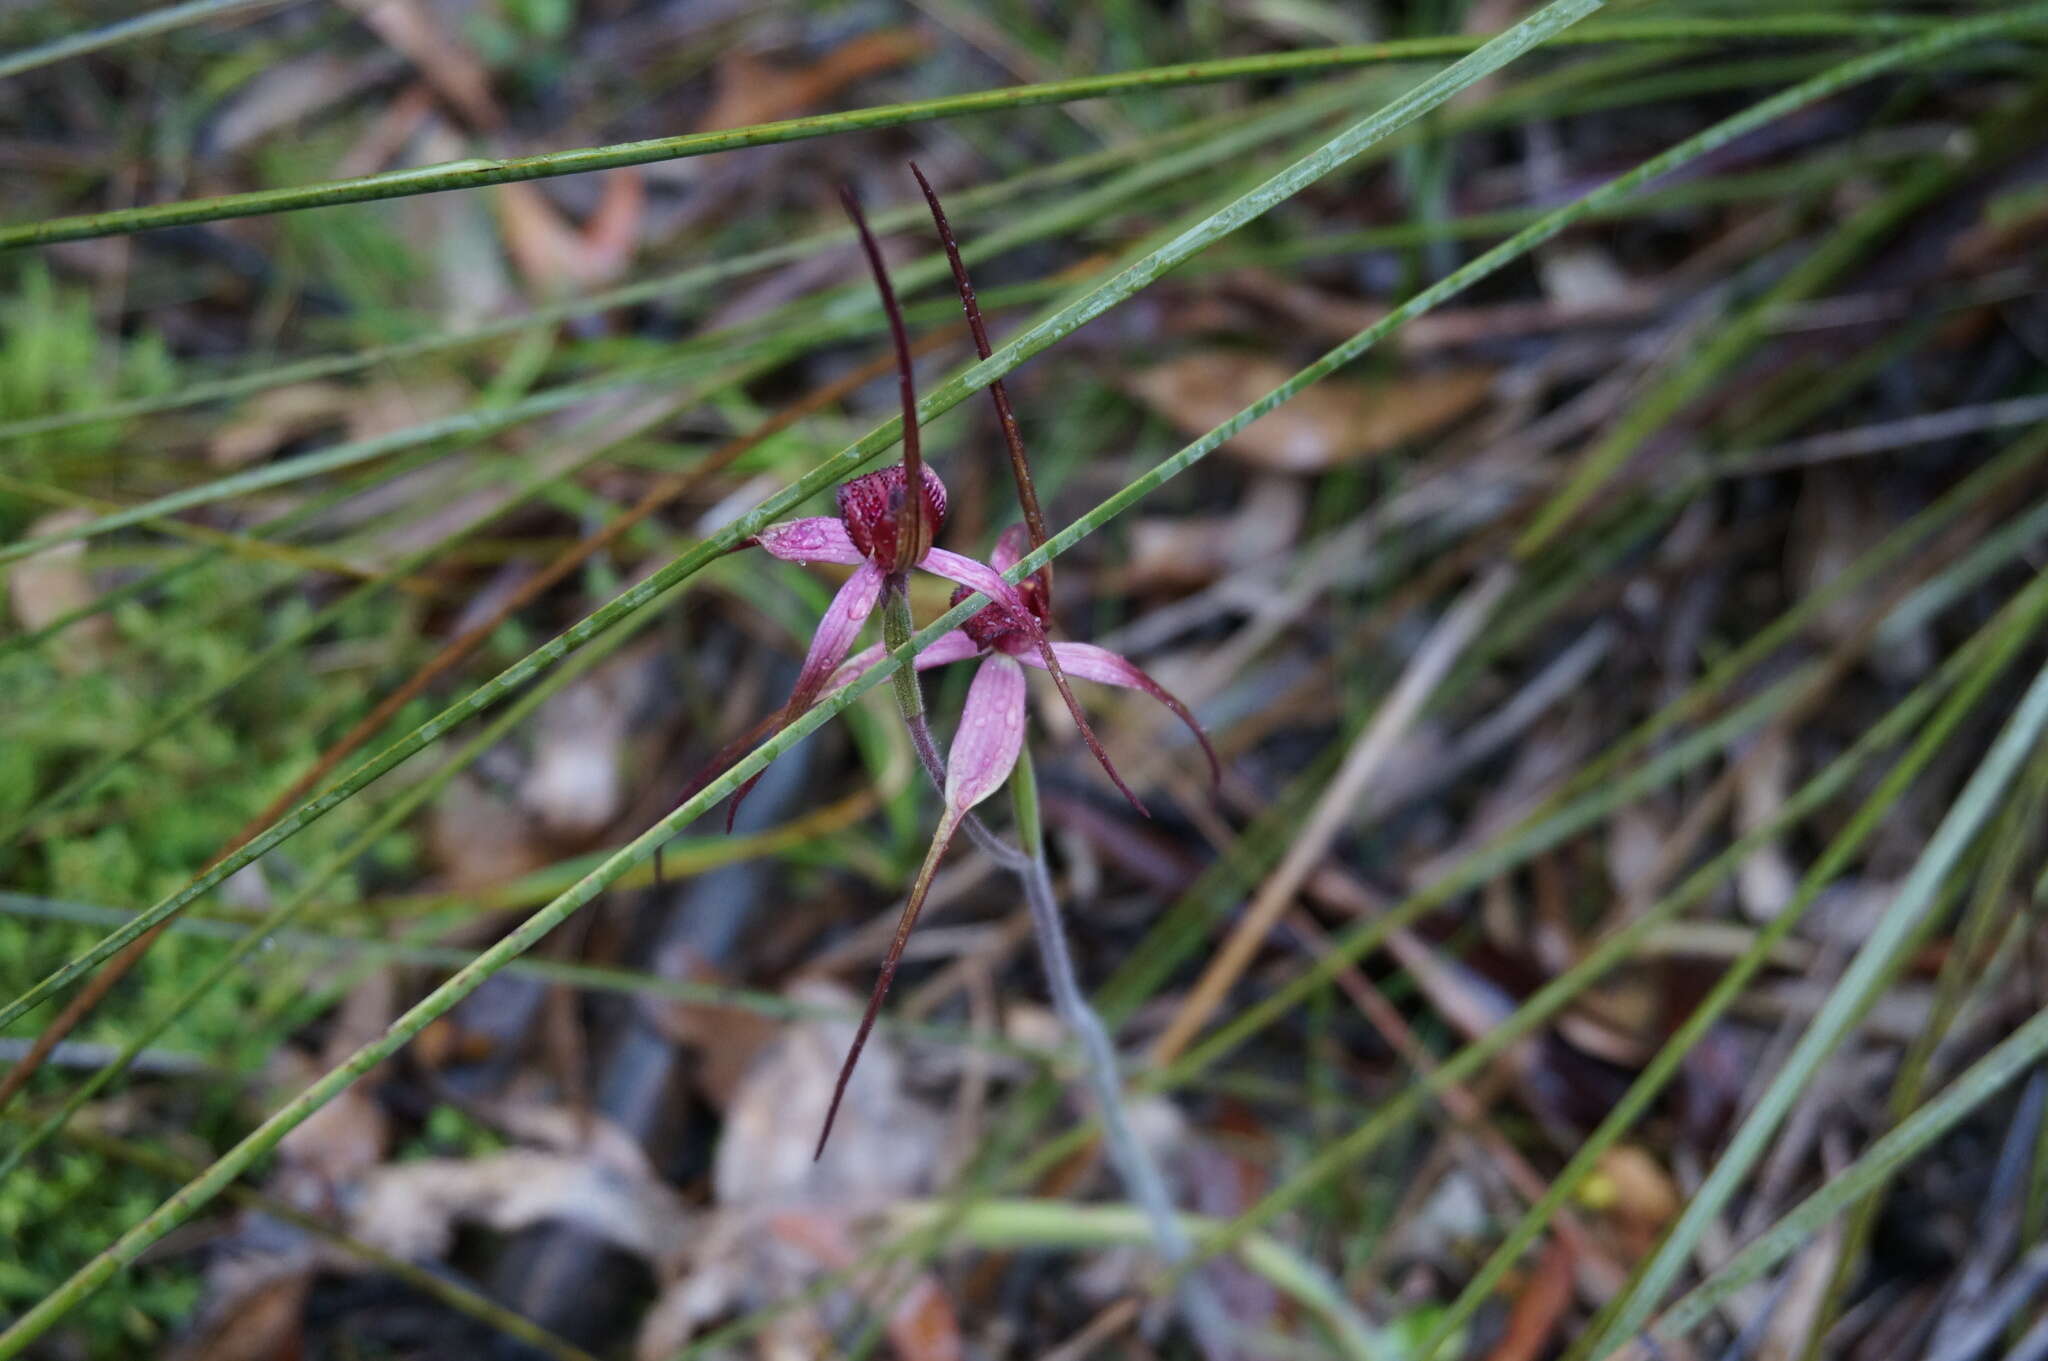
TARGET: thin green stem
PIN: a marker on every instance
(464, 981)
(1015, 1225)
(273, 528)
(1941, 40)
(479, 171)
(1742, 333)
(416, 947)
(1134, 1163)
(1188, 147)
(303, 894)
(586, 442)
(1968, 953)
(1548, 1001)
(473, 423)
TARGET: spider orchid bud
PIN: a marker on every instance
(872, 508)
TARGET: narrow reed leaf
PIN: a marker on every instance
(148, 24)
(1846, 1001)
(480, 171)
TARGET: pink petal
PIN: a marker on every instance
(1098, 664)
(991, 734)
(951, 647)
(836, 631)
(829, 645)
(821, 538)
(977, 576)
(1010, 545)
(1104, 667)
(981, 577)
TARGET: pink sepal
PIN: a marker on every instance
(820, 538)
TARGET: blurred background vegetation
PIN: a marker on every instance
(1609, 666)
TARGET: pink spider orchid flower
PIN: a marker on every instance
(884, 531)
(991, 734)
(867, 535)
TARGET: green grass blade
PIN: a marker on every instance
(1941, 40)
(1846, 1002)
(2013, 1056)
(146, 25)
(480, 171)
(2000, 642)
(1555, 995)
(1742, 333)
(476, 422)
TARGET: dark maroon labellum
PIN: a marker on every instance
(997, 626)
(870, 505)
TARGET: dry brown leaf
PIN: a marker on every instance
(279, 96)
(341, 1140)
(1636, 837)
(388, 133)
(46, 586)
(1617, 1020)
(781, 1218)
(349, 1135)
(576, 782)
(753, 91)
(459, 237)
(727, 1040)
(1184, 552)
(555, 257)
(1765, 881)
(479, 840)
(412, 1209)
(1804, 1295)
(270, 420)
(921, 1325)
(884, 1145)
(263, 1323)
(1330, 424)
(388, 406)
(454, 72)
(1583, 278)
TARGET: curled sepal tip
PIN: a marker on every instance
(983, 753)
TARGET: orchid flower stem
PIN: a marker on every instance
(897, 626)
(1134, 1164)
